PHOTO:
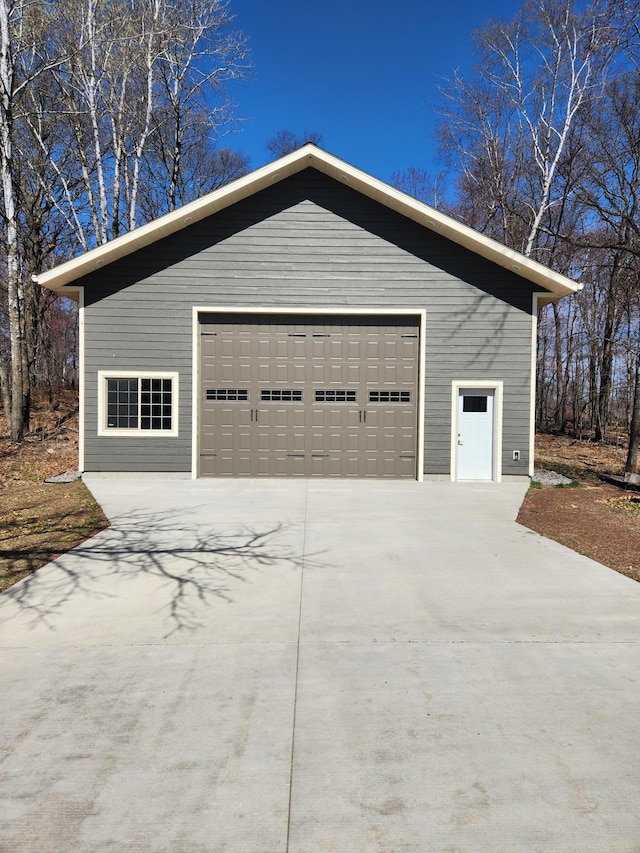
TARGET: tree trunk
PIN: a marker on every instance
(14, 288)
(560, 416)
(606, 361)
(4, 391)
(634, 432)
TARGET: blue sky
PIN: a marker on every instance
(361, 72)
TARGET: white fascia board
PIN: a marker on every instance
(558, 284)
(66, 273)
(61, 278)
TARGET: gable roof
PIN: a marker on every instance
(64, 277)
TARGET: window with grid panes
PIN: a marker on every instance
(141, 403)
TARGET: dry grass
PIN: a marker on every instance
(598, 520)
(580, 458)
(50, 448)
(39, 521)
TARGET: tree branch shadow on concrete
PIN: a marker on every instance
(196, 564)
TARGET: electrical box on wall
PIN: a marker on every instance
(516, 455)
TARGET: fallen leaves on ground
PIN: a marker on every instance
(38, 520)
(593, 521)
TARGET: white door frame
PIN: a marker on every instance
(486, 385)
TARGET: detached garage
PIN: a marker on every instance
(307, 321)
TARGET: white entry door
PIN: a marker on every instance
(474, 457)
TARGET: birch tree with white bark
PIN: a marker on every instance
(513, 128)
(148, 84)
(24, 60)
(107, 111)
(518, 132)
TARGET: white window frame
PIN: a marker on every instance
(104, 430)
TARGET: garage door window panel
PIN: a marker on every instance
(390, 396)
(281, 395)
(336, 395)
(227, 395)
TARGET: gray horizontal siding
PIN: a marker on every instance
(307, 242)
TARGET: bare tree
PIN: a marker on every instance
(202, 170)
(24, 59)
(285, 141)
(631, 462)
(611, 192)
(422, 185)
(102, 106)
(515, 127)
(519, 135)
(144, 90)
(193, 110)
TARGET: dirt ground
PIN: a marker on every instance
(592, 517)
(39, 521)
(50, 448)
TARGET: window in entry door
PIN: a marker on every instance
(475, 403)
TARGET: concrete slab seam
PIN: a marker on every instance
(295, 687)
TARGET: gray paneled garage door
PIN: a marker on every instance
(297, 396)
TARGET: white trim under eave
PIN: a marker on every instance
(419, 313)
(497, 386)
(81, 392)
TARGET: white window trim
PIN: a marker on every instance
(485, 385)
(104, 430)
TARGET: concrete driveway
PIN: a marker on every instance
(317, 666)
